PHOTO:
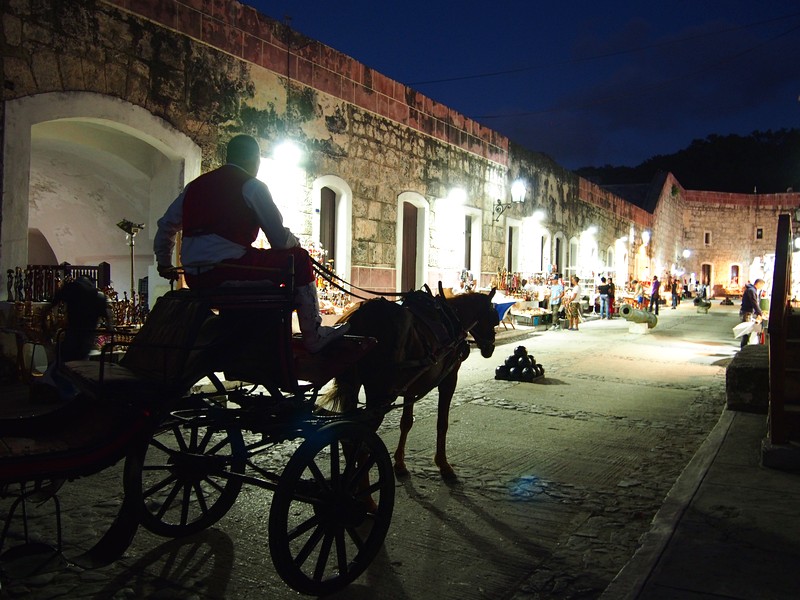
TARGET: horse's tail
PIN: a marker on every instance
(342, 394)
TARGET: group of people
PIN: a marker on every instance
(568, 298)
(652, 299)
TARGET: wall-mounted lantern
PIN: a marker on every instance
(518, 192)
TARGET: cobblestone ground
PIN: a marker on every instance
(556, 486)
(612, 518)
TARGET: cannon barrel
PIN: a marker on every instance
(635, 315)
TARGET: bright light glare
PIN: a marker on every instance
(458, 195)
(592, 229)
(287, 153)
(646, 237)
(687, 253)
(538, 215)
(518, 191)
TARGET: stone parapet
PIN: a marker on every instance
(747, 380)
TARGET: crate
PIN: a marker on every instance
(526, 320)
(530, 320)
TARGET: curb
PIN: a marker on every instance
(634, 576)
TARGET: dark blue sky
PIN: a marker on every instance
(587, 82)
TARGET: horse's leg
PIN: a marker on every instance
(446, 390)
(406, 421)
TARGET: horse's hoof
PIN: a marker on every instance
(401, 472)
(449, 475)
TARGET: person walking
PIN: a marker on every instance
(751, 306)
(638, 294)
(219, 215)
(654, 295)
(602, 289)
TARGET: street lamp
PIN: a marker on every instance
(131, 229)
(518, 192)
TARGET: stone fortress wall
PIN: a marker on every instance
(204, 70)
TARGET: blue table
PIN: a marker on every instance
(503, 309)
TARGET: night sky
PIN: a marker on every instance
(589, 83)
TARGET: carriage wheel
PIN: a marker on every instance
(179, 479)
(331, 509)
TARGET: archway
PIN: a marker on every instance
(75, 164)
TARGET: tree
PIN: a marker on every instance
(767, 161)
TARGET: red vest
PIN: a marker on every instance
(213, 203)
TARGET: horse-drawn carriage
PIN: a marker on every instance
(178, 425)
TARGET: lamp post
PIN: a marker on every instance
(131, 229)
(518, 192)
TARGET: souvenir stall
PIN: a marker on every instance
(28, 331)
(524, 299)
(333, 302)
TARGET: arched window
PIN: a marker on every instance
(327, 222)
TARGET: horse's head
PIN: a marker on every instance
(479, 317)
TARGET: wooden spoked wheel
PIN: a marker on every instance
(180, 479)
(332, 508)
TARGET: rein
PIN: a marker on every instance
(339, 283)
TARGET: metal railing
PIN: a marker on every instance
(38, 283)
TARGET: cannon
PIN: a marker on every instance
(702, 305)
(634, 315)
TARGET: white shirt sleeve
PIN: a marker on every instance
(168, 227)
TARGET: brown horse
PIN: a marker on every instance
(414, 355)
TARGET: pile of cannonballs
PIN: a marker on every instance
(520, 366)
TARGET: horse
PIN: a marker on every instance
(411, 359)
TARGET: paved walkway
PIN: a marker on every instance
(729, 528)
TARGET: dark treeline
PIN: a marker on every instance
(768, 162)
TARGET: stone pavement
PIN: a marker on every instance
(729, 528)
(618, 429)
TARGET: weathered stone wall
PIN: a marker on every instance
(616, 219)
(211, 68)
(668, 235)
(210, 95)
(732, 221)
